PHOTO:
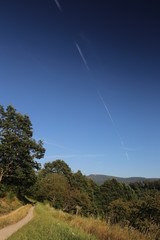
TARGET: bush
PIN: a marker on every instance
(2, 190)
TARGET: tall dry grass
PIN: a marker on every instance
(44, 226)
(9, 203)
(14, 216)
(102, 230)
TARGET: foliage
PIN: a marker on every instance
(59, 167)
(114, 202)
(146, 213)
(119, 211)
(146, 188)
(100, 229)
(54, 188)
(18, 150)
(112, 190)
(3, 190)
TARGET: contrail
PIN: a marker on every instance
(105, 106)
(110, 116)
(127, 156)
(100, 96)
(113, 123)
(58, 5)
(129, 149)
(82, 56)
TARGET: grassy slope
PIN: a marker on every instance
(14, 216)
(9, 203)
(52, 224)
(102, 230)
(46, 226)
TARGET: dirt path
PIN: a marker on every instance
(9, 230)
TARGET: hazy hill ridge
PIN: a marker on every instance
(100, 179)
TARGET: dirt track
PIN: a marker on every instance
(9, 230)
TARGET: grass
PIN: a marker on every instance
(49, 224)
(9, 203)
(14, 216)
(101, 230)
(45, 226)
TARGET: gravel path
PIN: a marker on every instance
(9, 230)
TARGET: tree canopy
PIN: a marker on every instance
(18, 150)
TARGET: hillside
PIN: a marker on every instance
(100, 179)
(49, 223)
(9, 203)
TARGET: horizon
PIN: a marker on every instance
(92, 174)
(87, 75)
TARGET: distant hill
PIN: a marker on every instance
(100, 179)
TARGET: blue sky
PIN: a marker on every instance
(88, 76)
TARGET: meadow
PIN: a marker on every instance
(49, 223)
(14, 216)
(46, 226)
(102, 230)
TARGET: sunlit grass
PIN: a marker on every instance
(45, 226)
(49, 224)
(14, 216)
(9, 203)
(101, 230)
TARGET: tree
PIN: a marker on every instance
(147, 212)
(54, 188)
(59, 167)
(119, 211)
(18, 150)
(112, 190)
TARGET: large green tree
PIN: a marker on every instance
(59, 167)
(54, 188)
(18, 150)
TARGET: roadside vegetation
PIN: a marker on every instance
(14, 216)
(132, 209)
(50, 223)
(9, 202)
(102, 230)
(46, 226)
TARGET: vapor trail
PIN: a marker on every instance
(105, 106)
(82, 56)
(127, 156)
(113, 123)
(58, 5)
(100, 96)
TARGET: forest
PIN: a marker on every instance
(134, 205)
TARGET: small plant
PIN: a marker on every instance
(11, 196)
(2, 190)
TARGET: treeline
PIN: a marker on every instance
(136, 205)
